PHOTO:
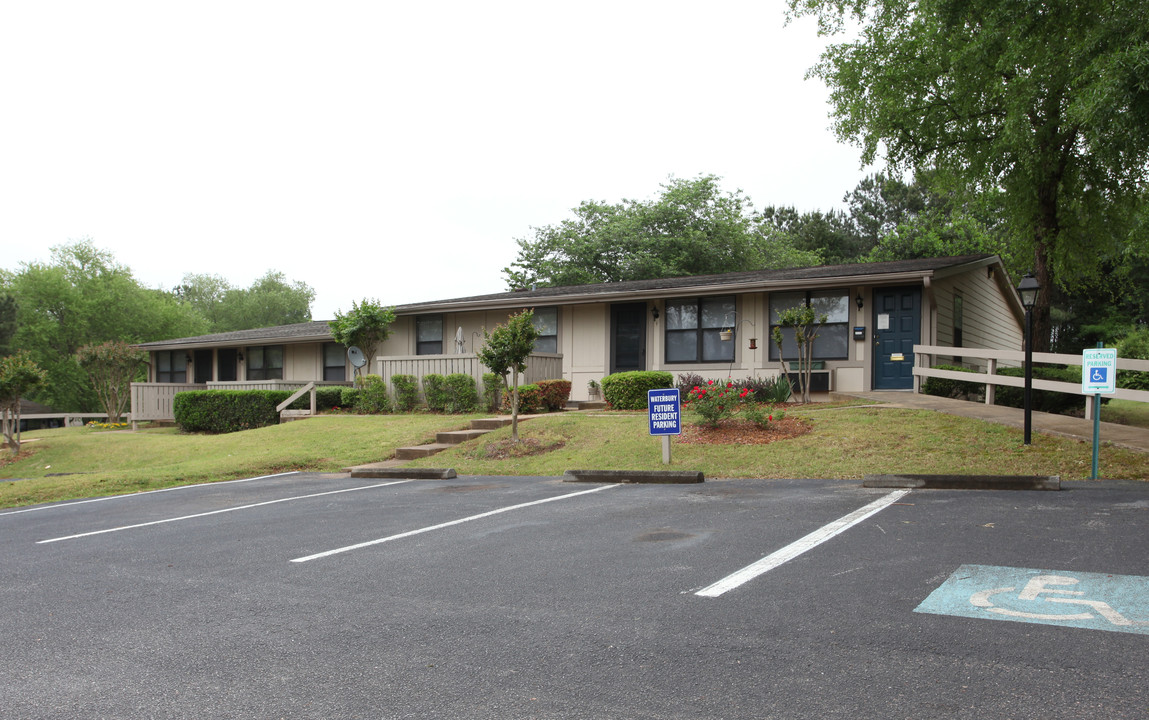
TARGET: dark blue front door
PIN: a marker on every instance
(627, 337)
(897, 328)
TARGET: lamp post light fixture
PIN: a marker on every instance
(1028, 289)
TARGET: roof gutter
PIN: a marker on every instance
(608, 297)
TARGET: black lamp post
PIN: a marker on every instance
(1028, 289)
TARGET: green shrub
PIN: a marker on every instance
(435, 392)
(348, 398)
(688, 381)
(492, 391)
(555, 393)
(372, 399)
(1135, 345)
(406, 392)
(760, 415)
(1043, 401)
(530, 400)
(627, 390)
(224, 411)
(462, 395)
(765, 390)
(944, 387)
(713, 401)
(327, 397)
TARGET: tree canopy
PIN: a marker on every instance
(692, 228)
(1045, 102)
(506, 349)
(365, 326)
(19, 375)
(270, 301)
(83, 296)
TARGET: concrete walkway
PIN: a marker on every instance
(1133, 438)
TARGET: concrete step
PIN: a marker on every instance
(420, 451)
(590, 405)
(491, 423)
(454, 437)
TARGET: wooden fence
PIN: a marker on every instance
(540, 366)
(924, 357)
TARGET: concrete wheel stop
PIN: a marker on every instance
(401, 473)
(964, 482)
(633, 476)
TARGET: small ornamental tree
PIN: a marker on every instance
(19, 374)
(506, 349)
(367, 325)
(111, 366)
(805, 323)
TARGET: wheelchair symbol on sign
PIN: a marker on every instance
(1098, 375)
(1040, 589)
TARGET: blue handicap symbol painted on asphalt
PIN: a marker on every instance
(1119, 603)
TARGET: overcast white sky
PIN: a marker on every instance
(384, 149)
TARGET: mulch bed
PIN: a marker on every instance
(743, 432)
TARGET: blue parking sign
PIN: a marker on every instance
(664, 408)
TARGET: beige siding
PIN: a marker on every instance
(988, 319)
(302, 363)
(584, 332)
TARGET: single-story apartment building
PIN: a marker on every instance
(715, 325)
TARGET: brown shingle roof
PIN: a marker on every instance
(748, 281)
(822, 274)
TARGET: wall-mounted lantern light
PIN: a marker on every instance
(861, 303)
(654, 312)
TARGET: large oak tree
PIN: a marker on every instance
(693, 227)
(1047, 103)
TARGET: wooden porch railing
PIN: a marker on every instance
(152, 402)
(924, 357)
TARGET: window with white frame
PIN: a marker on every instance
(693, 327)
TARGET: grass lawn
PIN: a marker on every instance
(1126, 412)
(844, 442)
(80, 462)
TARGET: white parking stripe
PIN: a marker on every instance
(440, 526)
(217, 512)
(146, 492)
(798, 547)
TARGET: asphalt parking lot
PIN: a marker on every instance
(319, 596)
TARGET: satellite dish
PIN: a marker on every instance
(356, 356)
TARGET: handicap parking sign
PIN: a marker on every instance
(1099, 371)
(1096, 601)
